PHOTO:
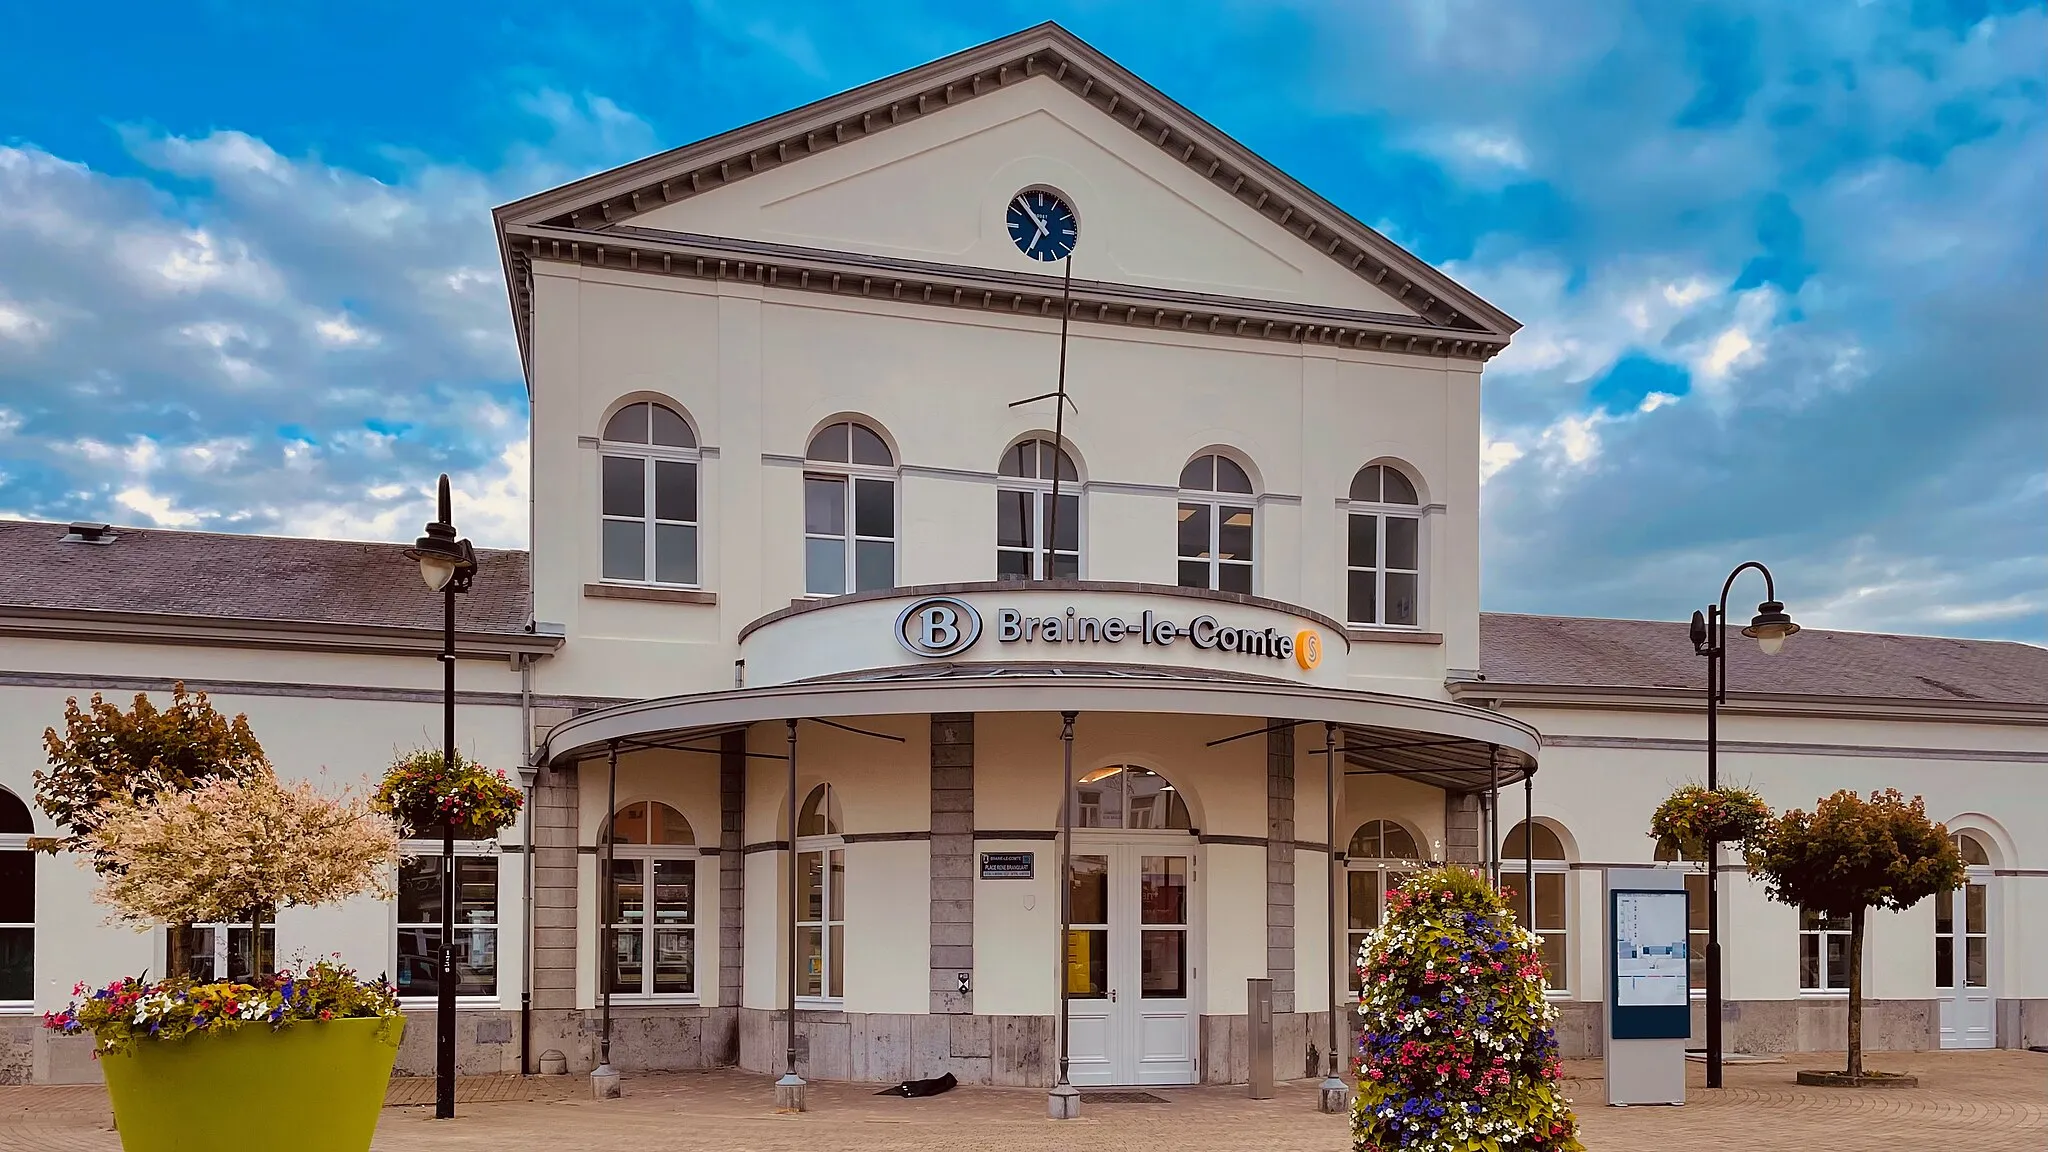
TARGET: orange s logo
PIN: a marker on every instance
(1308, 649)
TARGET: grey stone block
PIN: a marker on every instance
(948, 891)
(1023, 1054)
(952, 755)
(953, 800)
(951, 957)
(955, 932)
(889, 1042)
(970, 1036)
(957, 823)
(930, 1045)
(949, 1001)
(951, 866)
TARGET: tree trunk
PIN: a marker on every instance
(178, 951)
(1856, 991)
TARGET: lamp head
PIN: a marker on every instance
(441, 556)
(1770, 627)
(1699, 632)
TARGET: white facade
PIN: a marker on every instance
(849, 264)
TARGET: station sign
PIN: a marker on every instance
(937, 627)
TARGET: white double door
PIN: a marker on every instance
(1130, 965)
(1962, 965)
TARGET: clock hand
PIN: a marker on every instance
(1035, 218)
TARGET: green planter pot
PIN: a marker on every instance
(317, 1086)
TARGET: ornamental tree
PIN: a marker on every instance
(1456, 1051)
(106, 754)
(1852, 855)
(240, 850)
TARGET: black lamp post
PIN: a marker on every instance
(1768, 628)
(447, 564)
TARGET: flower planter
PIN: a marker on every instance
(1829, 1079)
(316, 1086)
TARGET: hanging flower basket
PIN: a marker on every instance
(1692, 816)
(423, 793)
(305, 1057)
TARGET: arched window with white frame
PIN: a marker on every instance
(1963, 976)
(1553, 922)
(821, 899)
(1128, 796)
(1026, 547)
(1696, 915)
(649, 460)
(1383, 550)
(653, 905)
(1216, 525)
(17, 904)
(1382, 855)
(849, 511)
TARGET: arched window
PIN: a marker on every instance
(1127, 796)
(17, 904)
(1383, 549)
(649, 462)
(653, 901)
(849, 511)
(1025, 523)
(1380, 858)
(1552, 916)
(1696, 913)
(1216, 538)
(821, 899)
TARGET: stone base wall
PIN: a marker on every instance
(1773, 1026)
(884, 1048)
(2022, 1023)
(1226, 1047)
(18, 1048)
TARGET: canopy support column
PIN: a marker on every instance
(1064, 1102)
(604, 1080)
(790, 1090)
(1334, 1095)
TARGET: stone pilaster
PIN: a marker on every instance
(1280, 866)
(952, 861)
(732, 863)
(554, 888)
(1461, 829)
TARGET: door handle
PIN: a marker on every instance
(1112, 995)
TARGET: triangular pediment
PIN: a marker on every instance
(918, 166)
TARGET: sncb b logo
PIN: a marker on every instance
(938, 626)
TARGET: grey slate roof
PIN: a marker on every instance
(1579, 652)
(236, 577)
(249, 578)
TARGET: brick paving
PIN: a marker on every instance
(1983, 1101)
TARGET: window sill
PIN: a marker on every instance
(1359, 632)
(17, 1008)
(667, 999)
(821, 1003)
(425, 1003)
(649, 592)
(1823, 994)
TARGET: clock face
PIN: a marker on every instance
(1042, 225)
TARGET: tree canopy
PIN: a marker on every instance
(1851, 854)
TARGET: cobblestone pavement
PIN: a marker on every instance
(1983, 1101)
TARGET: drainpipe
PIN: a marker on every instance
(529, 776)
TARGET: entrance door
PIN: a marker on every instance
(1962, 958)
(1129, 965)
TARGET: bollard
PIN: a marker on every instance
(1259, 1037)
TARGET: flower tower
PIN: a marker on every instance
(1456, 1051)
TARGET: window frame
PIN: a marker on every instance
(1960, 934)
(1039, 487)
(646, 855)
(419, 850)
(1511, 868)
(223, 933)
(1381, 510)
(651, 456)
(830, 848)
(1385, 867)
(18, 842)
(1820, 935)
(850, 476)
(1215, 500)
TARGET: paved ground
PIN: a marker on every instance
(1983, 1101)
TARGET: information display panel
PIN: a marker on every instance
(1649, 992)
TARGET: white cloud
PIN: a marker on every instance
(20, 325)
(338, 331)
(161, 512)
(1495, 455)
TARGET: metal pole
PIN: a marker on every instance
(611, 895)
(789, 1024)
(1529, 850)
(1066, 875)
(1059, 423)
(444, 1007)
(1717, 672)
(1333, 1092)
(1493, 812)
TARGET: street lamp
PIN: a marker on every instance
(1769, 628)
(447, 565)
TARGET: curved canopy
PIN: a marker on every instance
(1453, 746)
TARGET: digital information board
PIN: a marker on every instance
(1650, 994)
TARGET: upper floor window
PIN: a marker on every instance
(1032, 541)
(1215, 525)
(1383, 553)
(653, 902)
(849, 511)
(650, 496)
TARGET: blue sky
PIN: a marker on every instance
(1783, 267)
